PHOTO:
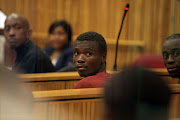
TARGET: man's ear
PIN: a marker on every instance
(104, 57)
(29, 33)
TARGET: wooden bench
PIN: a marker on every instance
(175, 102)
(70, 104)
(165, 75)
(67, 80)
(50, 81)
(84, 104)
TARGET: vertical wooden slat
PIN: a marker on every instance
(159, 25)
(40, 111)
(170, 19)
(138, 19)
(147, 23)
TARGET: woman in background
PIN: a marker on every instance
(60, 50)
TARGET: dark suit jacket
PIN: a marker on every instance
(31, 59)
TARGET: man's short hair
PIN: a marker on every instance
(174, 36)
(94, 36)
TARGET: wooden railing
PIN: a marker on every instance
(67, 80)
(84, 104)
(71, 104)
(72, 94)
(50, 81)
(138, 43)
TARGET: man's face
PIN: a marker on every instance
(171, 56)
(16, 32)
(87, 58)
(59, 38)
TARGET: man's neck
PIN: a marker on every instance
(103, 68)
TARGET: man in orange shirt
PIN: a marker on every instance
(90, 52)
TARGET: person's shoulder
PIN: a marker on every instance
(30, 51)
(103, 74)
(38, 52)
(48, 50)
(80, 84)
(69, 47)
(68, 50)
(83, 81)
(97, 80)
(96, 76)
(33, 48)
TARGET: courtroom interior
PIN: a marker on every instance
(89, 59)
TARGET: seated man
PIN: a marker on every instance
(90, 51)
(171, 55)
(29, 58)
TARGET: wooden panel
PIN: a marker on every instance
(74, 104)
(103, 16)
(174, 109)
(50, 81)
(51, 85)
(84, 104)
(170, 80)
(148, 21)
(165, 75)
(71, 84)
(67, 80)
(75, 110)
(40, 111)
(49, 76)
(67, 94)
(175, 106)
(43, 86)
(70, 75)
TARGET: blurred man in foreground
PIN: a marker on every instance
(29, 58)
(89, 57)
(136, 94)
(16, 101)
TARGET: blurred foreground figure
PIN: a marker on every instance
(149, 61)
(29, 58)
(16, 102)
(136, 94)
(171, 55)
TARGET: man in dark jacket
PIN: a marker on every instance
(30, 58)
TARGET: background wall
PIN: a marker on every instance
(147, 23)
